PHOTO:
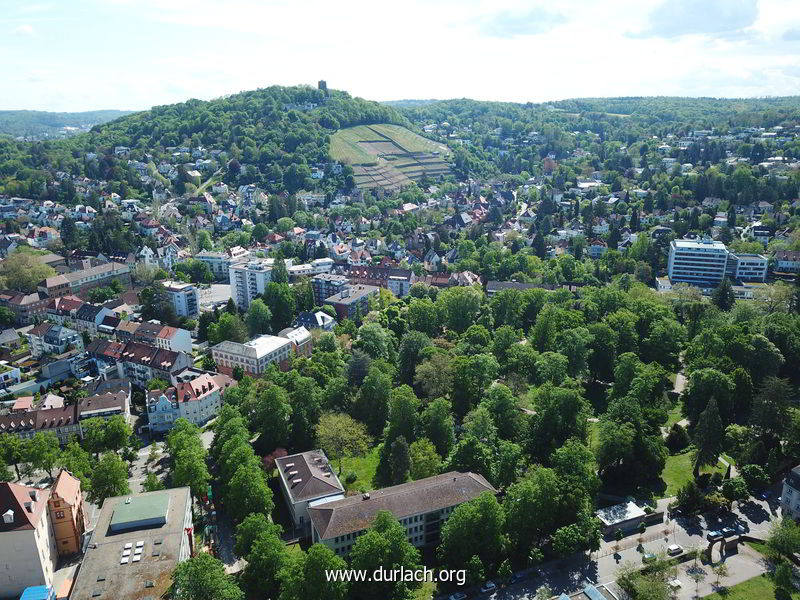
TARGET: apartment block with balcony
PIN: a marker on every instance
(248, 281)
(183, 297)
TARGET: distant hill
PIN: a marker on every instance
(408, 103)
(35, 124)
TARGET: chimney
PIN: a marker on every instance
(8, 517)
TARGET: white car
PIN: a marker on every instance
(674, 549)
(675, 584)
(489, 586)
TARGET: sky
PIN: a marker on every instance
(72, 55)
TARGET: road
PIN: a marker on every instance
(570, 575)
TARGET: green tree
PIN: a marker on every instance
(248, 492)
(784, 538)
(340, 436)
(425, 462)
(434, 377)
(438, 425)
(12, 451)
(203, 577)
(723, 296)
(152, 483)
(372, 404)
(230, 327)
(266, 558)
(280, 300)
(43, 452)
(386, 546)
(400, 460)
(23, 272)
(708, 438)
(304, 576)
(259, 318)
(477, 525)
(252, 528)
(110, 478)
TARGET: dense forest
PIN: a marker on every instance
(37, 123)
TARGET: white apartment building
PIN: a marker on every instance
(700, 262)
(183, 297)
(254, 356)
(787, 261)
(197, 400)
(248, 281)
(220, 262)
(747, 267)
(790, 498)
(28, 552)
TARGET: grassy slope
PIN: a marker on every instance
(364, 467)
(345, 142)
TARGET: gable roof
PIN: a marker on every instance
(13, 497)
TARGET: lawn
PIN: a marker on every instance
(678, 472)
(758, 547)
(363, 466)
(426, 591)
(674, 415)
(752, 589)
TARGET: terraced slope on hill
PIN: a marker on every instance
(388, 156)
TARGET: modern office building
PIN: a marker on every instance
(183, 297)
(706, 262)
(700, 262)
(249, 280)
(421, 506)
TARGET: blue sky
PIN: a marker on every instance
(133, 54)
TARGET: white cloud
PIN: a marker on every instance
(24, 29)
(675, 18)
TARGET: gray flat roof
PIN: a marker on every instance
(102, 577)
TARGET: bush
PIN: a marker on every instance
(716, 479)
(350, 478)
(677, 439)
(755, 477)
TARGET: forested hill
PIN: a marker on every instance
(656, 111)
(269, 130)
(38, 124)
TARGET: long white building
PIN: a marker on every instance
(706, 262)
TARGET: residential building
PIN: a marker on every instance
(138, 541)
(197, 400)
(421, 506)
(183, 297)
(790, 497)
(597, 248)
(352, 301)
(300, 338)
(63, 310)
(326, 285)
(699, 262)
(27, 308)
(89, 317)
(67, 514)
(220, 262)
(254, 356)
(787, 261)
(97, 276)
(9, 375)
(397, 281)
(9, 338)
(314, 320)
(175, 339)
(248, 281)
(109, 398)
(48, 338)
(141, 362)
(28, 553)
(307, 479)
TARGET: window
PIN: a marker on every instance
(59, 514)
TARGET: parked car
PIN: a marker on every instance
(765, 495)
(674, 549)
(741, 529)
(714, 535)
(457, 596)
(649, 557)
(728, 532)
(517, 577)
(675, 584)
(489, 586)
